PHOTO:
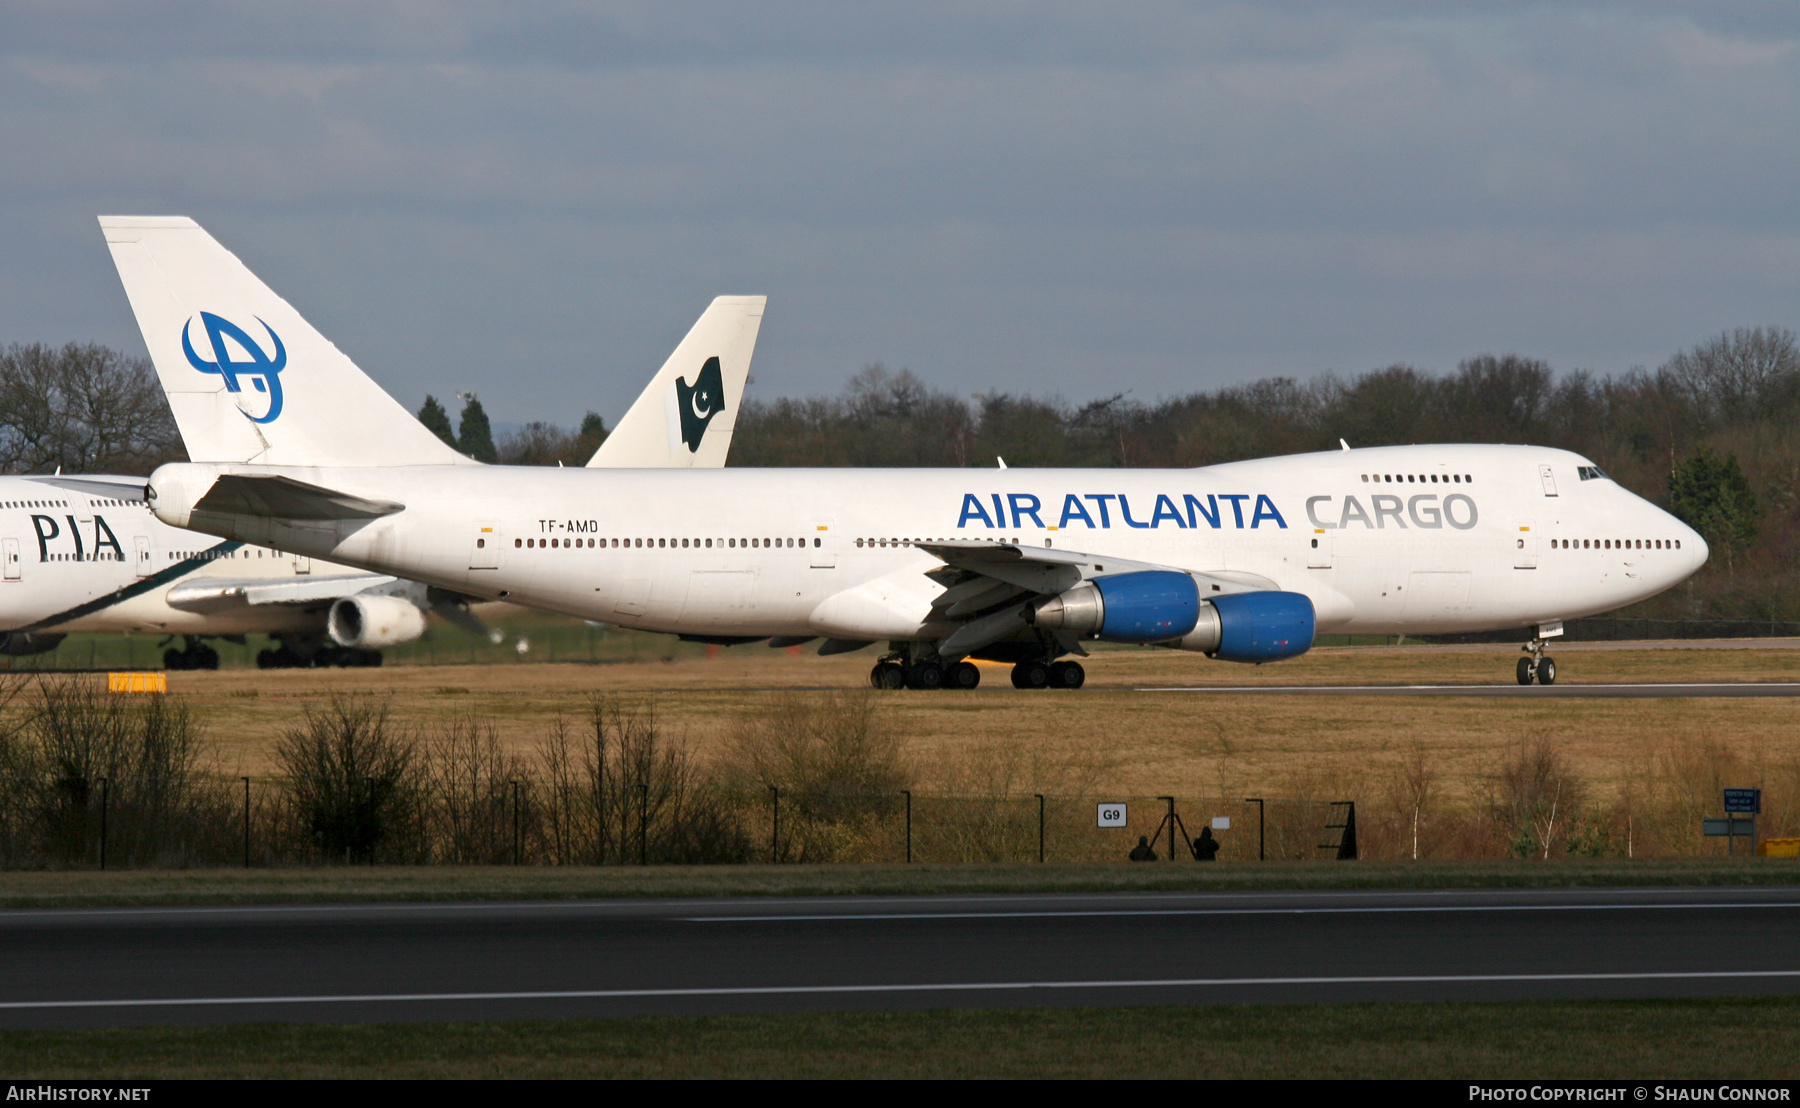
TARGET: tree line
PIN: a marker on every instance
(1713, 433)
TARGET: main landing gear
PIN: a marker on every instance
(929, 673)
(1537, 665)
(1048, 675)
(284, 656)
(194, 654)
(898, 672)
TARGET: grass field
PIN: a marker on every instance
(1143, 742)
(72, 888)
(1675, 1039)
(1111, 739)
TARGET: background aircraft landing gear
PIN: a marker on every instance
(345, 657)
(283, 656)
(887, 675)
(1538, 666)
(194, 654)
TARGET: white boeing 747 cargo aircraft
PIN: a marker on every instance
(83, 553)
(1242, 562)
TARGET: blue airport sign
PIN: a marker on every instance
(1743, 801)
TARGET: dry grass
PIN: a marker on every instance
(1640, 764)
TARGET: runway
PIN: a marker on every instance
(1725, 689)
(367, 963)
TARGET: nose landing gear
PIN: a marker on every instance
(1537, 666)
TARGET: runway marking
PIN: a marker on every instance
(1351, 910)
(827, 990)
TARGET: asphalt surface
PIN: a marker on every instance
(1545, 692)
(111, 967)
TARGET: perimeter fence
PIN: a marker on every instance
(68, 822)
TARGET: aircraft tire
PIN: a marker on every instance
(205, 657)
(266, 659)
(927, 675)
(1067, 675)
(963, 675)
(174, 659)
(1526, 671)
(1546, 671)
(1031, 675)
(887, 675)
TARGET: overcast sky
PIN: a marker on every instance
(1051, 198)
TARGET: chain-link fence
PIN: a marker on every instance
(48, 822)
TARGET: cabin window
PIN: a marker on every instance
(818, 542)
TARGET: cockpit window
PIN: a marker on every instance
(1591, 473)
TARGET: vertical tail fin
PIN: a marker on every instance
(248, 379)
(685, 417)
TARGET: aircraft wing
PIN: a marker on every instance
(988, 584)
(114, 488)
(212, 594)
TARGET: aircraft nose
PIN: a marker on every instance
(1694, 542)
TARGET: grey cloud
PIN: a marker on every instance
(1053, 197)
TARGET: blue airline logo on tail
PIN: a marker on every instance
(263, 370)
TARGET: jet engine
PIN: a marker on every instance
(1165, 608)
(372, 622)
(27, 642)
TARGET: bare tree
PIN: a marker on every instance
(83, 408)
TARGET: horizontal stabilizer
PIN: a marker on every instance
(235, 494)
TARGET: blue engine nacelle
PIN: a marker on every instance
(1254, 627)
(1164, 607)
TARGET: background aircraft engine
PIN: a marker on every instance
(1252, 627)
(372, 622)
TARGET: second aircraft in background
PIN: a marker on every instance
(82, 553)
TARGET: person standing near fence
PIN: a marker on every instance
(1143, 852)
